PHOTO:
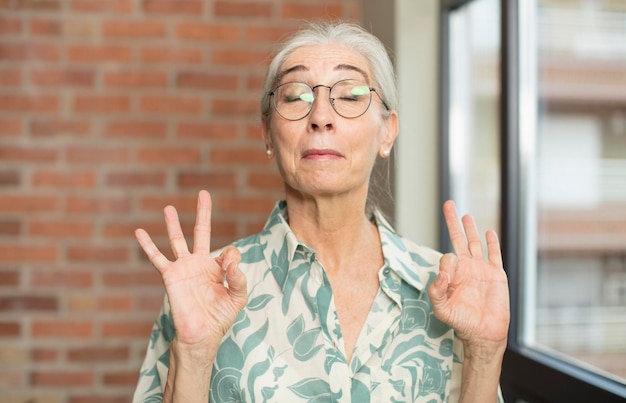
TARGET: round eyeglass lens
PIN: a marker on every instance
(293, 101)
(350, 98)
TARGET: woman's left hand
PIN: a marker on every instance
(470, 292)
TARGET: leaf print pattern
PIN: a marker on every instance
(283, 347)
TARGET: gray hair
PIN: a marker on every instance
(383, 76)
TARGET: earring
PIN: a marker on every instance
(385, 153)
(269, 153)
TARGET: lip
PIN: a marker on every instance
(315, 153)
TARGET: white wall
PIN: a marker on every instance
(416, 51)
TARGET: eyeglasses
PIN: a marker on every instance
(349, 98)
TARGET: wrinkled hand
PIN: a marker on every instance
(202, 307)
(470, 293)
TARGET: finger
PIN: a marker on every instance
(228, 257)
(175, 233)
(202, 228)
(457, 237)
(474, 243)
(158, 260)
(438, 293)
(494, 252)
(448, 264)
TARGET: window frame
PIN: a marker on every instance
(527, 373)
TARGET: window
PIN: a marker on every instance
(560, 185)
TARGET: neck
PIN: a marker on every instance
(335, 227)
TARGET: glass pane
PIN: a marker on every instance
(580, 184)
(474, 102)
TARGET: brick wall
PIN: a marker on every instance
(109, 110)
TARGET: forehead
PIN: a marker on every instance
(325, 59)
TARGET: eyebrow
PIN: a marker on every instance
(301, 67)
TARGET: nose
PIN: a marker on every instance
(321, 115)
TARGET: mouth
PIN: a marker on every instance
(321, 154)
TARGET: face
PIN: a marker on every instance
(324, 153)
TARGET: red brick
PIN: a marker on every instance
(102, 104)
(255, 82)
(133, 29)
(236, 107)
(170, 104)
(99, 6)
(165, 155)
(59, 127)
(207, 32)
(239, 57)
(97, 205)
(184, 204)
(136, 129)
(246, 205)
(61, 279)
(127, 229)
(97, 155)
(27, 253)
(136, 179)
(206, 131)
(10, 329)
(35, 5)
(61, 228)
(97, 254)
(242, 9)
(27, 154)
(29, 103)
(99, 53)
(150, 303)
(10, 178)
(9, 278)
(65, 78)
(45, 27)
(239, 156)
(98, 354)
(15, 51)
(10, 26)
(310, 11)
(10, 77)
(122, 303)
(134, 328)
(10, 127)
(171, 55)
(44, 355)
(27, 203)
(207, 81)
(135, 79)
(28, 303)
(225, 180)
(62, 379)
(269, 34)
(173, 6)
(132, 279)
(10, 227)
(56, 179)
(61, 328)
(121, 378)
(259, 180)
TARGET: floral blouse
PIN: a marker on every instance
(286, 345)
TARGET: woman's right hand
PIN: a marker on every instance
(203, 307)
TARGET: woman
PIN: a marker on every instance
(327, 303)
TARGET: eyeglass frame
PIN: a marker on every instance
(331, 100)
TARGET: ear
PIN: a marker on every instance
(391, 132)
(266, 134)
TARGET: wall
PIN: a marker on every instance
(109, 110)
